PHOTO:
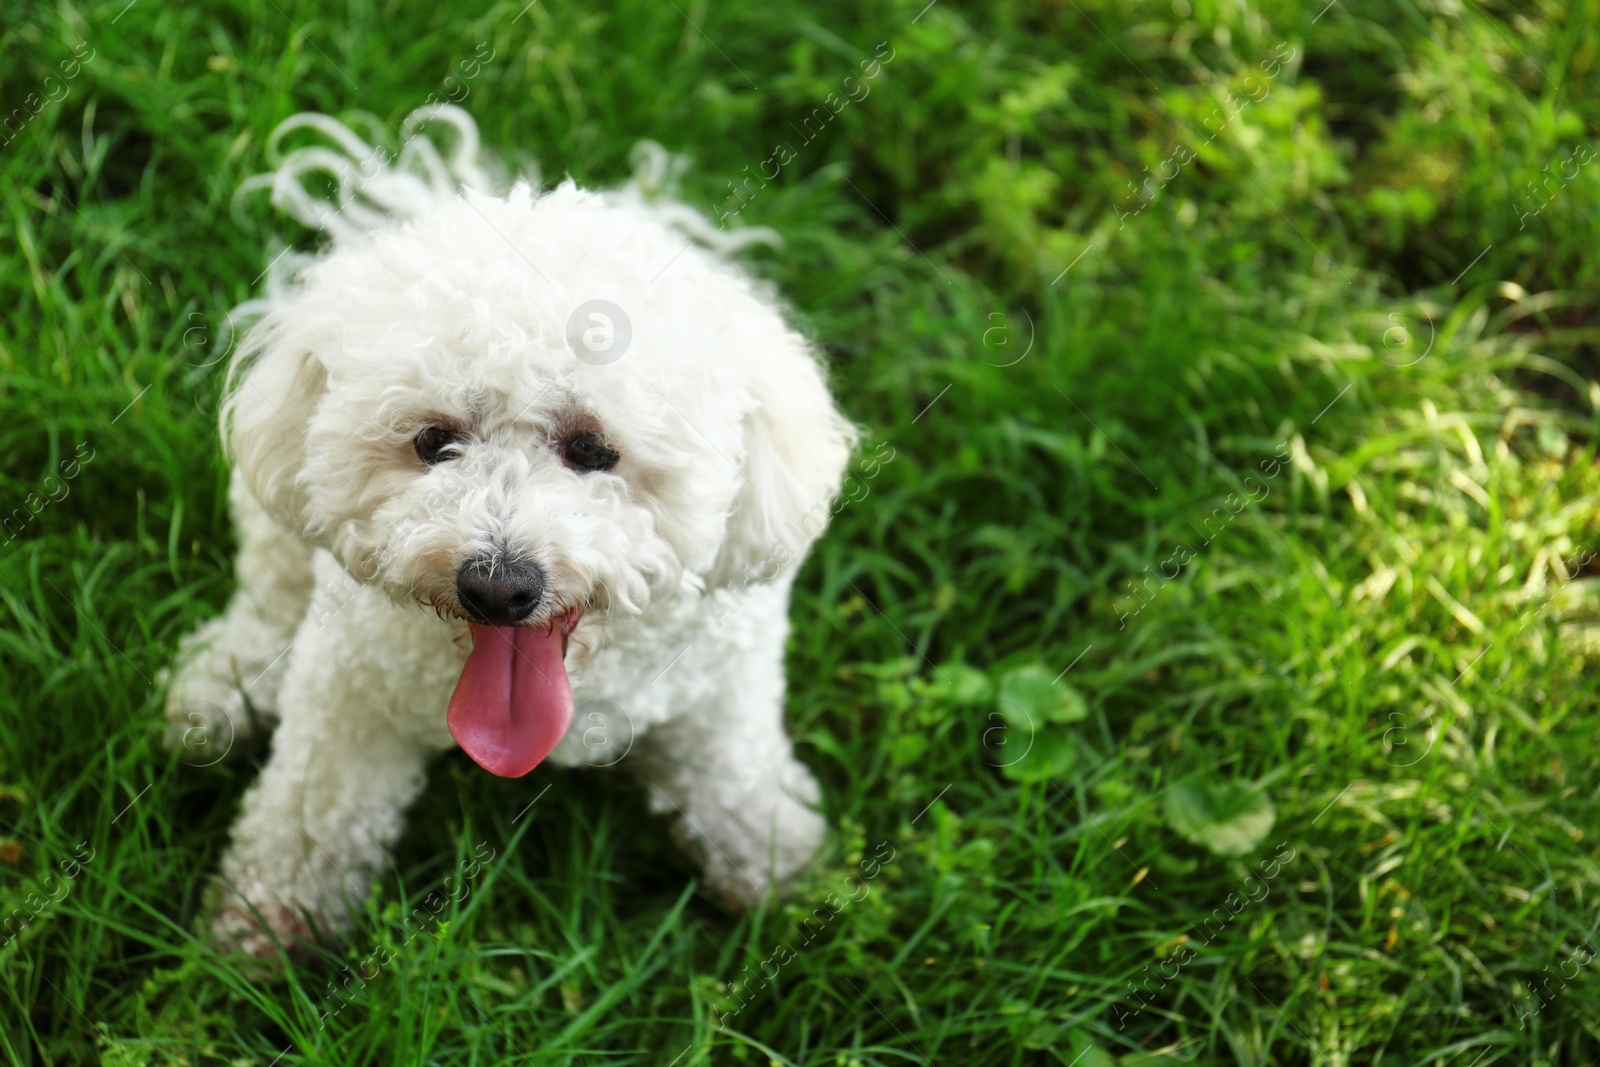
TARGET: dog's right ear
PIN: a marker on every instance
(797, 446)
(274, 386)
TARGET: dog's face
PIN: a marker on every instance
(443, 405)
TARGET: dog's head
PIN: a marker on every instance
(523, 410)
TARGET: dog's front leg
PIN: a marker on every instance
(240, 653)
(344, 766)
(725, 768)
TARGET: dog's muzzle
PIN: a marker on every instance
(499, 592)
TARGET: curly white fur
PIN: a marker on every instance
(437, 299)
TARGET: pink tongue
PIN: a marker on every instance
(513, 702)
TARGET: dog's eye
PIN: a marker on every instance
(437, 444)
(589, 452)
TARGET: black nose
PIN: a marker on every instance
(499, 592)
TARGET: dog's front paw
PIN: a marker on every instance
(206, 711)
(257, 928)
(204, 721)
(745, 859)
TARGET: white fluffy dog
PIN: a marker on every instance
(494, 455)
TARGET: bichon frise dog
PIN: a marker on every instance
(494, 455)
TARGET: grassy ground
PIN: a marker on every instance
(1203, 680)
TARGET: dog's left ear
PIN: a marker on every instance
(797, 446)
(274, 387)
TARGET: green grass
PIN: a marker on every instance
(1322, 792)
